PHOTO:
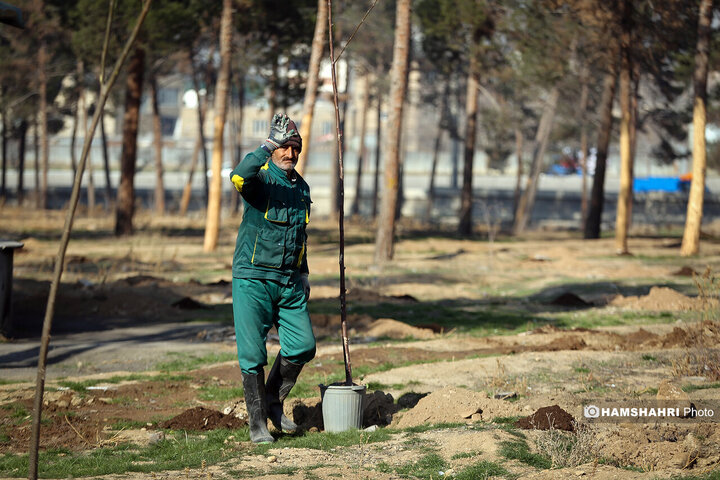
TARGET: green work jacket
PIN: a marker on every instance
(271, 242)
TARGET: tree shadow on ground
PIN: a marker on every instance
(498, 314)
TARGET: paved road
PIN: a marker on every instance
(125, 349)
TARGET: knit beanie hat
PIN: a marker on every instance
(295, 140)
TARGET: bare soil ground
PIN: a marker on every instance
(482, 339)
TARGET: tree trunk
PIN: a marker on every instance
(187, 190)
(21, 161)
(158, 144)
(519, 141)
(43, 120)
(433, 172)
(273, 81)
(212, 225)
(201, 109)
(378, 151)
(693, 222)
(76, 121)
(106, 164)
(634, 95)
(3, 188)
(527, 199)
(398, 81)
(125, 208)
(622, 219)
(36, 154)
(335, 195)
(237, 121)
(584, 96)
(364, 105)
(597, 195)
(318, 45)
(83, 109)
(436, 149)
(466, 195)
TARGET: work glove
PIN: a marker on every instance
(305, 284)
(279, 133)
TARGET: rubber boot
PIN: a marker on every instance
(254, 386)
(281, 380)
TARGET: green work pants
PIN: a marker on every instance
(260, 304)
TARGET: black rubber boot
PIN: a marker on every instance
(254, 386)
(281, 380)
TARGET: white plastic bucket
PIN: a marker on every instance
(342, 407)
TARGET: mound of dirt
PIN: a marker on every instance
(685, 271)
(452, 405)
(546, 418)
(569, 299)
(366, 326)
(660, 299)
(387, 327)
(570, 342)
(639, 337)
(202, 419)
(665, 446)
(378, 409)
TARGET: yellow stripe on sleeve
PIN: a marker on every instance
(238, 181)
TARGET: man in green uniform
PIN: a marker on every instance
(270, 275)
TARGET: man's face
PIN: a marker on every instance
(285, 158)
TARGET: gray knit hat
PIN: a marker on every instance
(295, 140)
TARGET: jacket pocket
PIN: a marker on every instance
(269, 249)
(276, 211)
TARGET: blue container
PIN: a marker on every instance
(656, 184)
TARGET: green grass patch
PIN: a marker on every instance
(220, 394)
(183, 362)
(285, 470)
(506, 420)
(383, 387)
(708, 386)
(323, 440)
(428, 466)
(472, 454)
(419, 445)
(83, 385)
(709, 476)
(593, 318)
(307, 385)
(176, 453)
(519, 450)
(127, 425)
(649, 358)
(431, 427)
(242, 473)
(17, 411)
(482, 469)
